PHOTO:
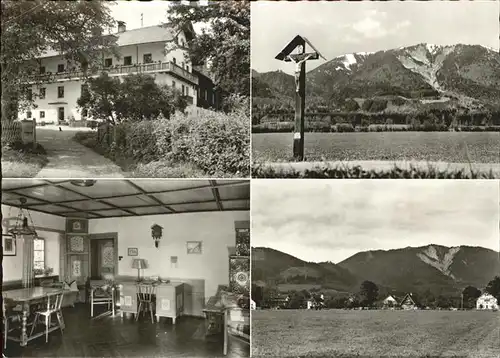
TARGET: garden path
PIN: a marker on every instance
(69, 159)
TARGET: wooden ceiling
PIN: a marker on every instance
(109, 198)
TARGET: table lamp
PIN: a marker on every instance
(139, 264)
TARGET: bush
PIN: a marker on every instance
(215, 142)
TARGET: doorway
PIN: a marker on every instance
(103, 257)
(60, 114)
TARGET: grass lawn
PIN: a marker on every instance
(346, 333)
(453, 147)
(20, 162)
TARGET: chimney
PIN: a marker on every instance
(122, 27)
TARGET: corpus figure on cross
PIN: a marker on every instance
(299, 60)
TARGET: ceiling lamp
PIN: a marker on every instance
(22, 225)
(83, 183)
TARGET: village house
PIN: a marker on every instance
(149, 50)
(487, 302)
(390, 301)
(408, 302)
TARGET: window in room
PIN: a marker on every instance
(60, 68)
(127, 60)
(108, 62)
(60, 92)
(42, 93)
(147, 58)
(39, 254)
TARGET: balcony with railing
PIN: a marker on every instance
(154, 67)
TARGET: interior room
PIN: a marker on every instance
(116, 267)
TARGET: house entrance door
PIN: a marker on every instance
(60, 114)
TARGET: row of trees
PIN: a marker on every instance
(369, 295)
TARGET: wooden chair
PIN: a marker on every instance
(102, 293)
(145, 295)
(53, 305)
(6, 317)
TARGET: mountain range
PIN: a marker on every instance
(440, 269)
(457, 75)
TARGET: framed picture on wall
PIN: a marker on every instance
(8, 245)
(194, 247)
(133, 251)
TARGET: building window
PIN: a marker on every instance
(147, 58)
(29, 94)
(42, 114)
(85, 113)
(187, 68)
(173, 84)
(60, 92)
(187, 91)
(183, 90)
(127, 60)
(60, 68)
(174, 60)
(108, 62)
(206, 95)
(42, 93)
(42, 70)
(39, 254)
(28, 114)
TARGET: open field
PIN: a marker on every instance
(453, 147)
(346, 333)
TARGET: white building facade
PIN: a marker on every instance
(486, 302)
(145, 50)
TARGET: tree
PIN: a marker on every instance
(30, 28)
(141, 98)
(224, 46)
(493, 288)
(100, 96)
(368, 293)
(137, 98)
(470, 295)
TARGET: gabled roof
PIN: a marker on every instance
(404, 299)
(141, 35)
(297, 40)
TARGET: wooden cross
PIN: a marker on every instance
(299, 59)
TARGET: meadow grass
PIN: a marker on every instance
(347, 333)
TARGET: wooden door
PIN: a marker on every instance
(105, 259)
(60, 114)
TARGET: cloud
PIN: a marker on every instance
(370, 28)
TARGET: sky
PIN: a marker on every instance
(331, 220)
(338, 28)
(153, 13)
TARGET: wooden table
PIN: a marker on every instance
(169, 299)
(26, 297)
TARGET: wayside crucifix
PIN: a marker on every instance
(298, 44)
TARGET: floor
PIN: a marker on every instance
(70, 159)
(124, 337)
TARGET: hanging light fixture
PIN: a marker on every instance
(27, 234)
(83, 183)
(22, 225)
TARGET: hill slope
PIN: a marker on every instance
(434, 267)
(463, 75)
(440, 269)
(274, 266)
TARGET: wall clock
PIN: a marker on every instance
(194, 247)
